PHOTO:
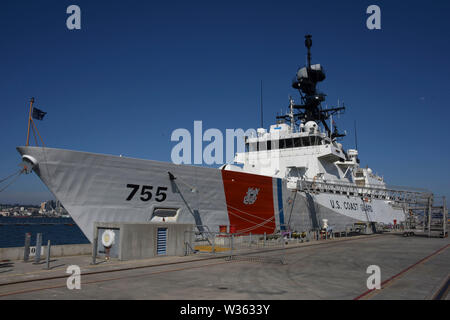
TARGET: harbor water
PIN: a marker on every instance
(58, 230)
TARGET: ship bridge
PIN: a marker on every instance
(281, 136)
(284, 152)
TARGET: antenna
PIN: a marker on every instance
(262, 122)
(291, 113)
(356, 138)
(308, 44)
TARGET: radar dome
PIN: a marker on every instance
(311, 127)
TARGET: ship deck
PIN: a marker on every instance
(411, 268)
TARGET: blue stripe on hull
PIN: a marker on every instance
(280, 203)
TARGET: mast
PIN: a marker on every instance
(262, 123)
(308, 44)
(311, 109)
(291, 114)
(29, 120)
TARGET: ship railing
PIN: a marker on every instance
(366, 191)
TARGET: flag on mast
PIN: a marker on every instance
(38, 114)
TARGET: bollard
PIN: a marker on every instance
(94, 250)
(26, 252)
(37, 257)
(48, 255)
(213, 248)
(232, 237)
(265, 238)
(250, 240)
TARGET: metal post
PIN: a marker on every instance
(250, 244)
(444, 216)
(265, 239)
(213, 248)
(430, 214)
(185, 244)
(37, 257)
(423, 222)
(232, 237)
(48, 254)
(94, 250)
(26, 252)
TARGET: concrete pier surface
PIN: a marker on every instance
(411, 268)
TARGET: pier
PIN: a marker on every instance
(411, 268)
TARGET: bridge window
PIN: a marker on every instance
(283, 143)
(288, 143)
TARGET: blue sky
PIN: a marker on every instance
(137, 70)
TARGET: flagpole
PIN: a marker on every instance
(29, 120)
(35, 127)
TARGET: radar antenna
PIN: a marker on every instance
(311, 109)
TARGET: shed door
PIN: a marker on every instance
(161, 242)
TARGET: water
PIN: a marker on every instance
(57, 230)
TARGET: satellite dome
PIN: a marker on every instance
(311, 127)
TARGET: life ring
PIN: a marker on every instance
(108, 238)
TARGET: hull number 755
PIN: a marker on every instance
(146, 192)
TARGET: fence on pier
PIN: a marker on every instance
(234, 246)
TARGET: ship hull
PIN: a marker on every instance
(104, 188)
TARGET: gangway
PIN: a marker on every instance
(428, 219)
